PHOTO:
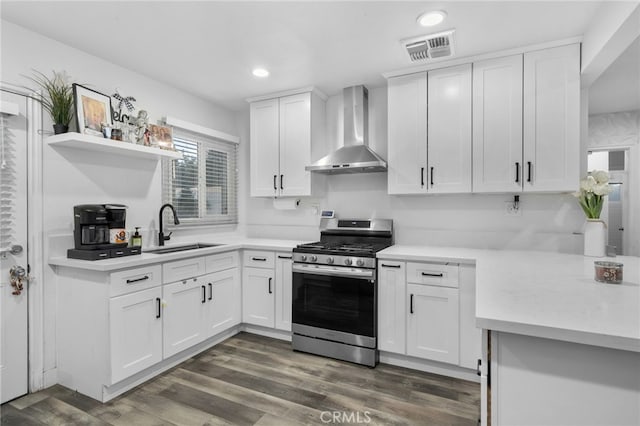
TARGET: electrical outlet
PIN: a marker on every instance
(511, 210)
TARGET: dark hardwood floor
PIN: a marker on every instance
(251, 379)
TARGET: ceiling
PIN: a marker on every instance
(209, 48)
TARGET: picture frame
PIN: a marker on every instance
(161, 136)
(92, 109)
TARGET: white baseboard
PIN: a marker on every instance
(50, 378)
(268, 332)
(429, 366)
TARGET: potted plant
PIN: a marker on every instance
(593, 189)
(57, 99)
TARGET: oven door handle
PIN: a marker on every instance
(320, 270)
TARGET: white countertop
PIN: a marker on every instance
(545, 294)
(226, 244)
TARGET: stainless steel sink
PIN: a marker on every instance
(186, 247)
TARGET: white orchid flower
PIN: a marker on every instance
(600, 176)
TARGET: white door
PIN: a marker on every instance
(258, 305)
(295, 145)
(135, 327)
(497, 125)
(392, 312)
(433, 323)
(449, 130)
(552, 119)
(407, 134)
(223, 301)
(264, 151)
(284, 284)
(13, 232)
(183, 315)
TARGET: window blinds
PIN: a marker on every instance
(7, 185)
(202, 186)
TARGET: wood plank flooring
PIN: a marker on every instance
(256, 380)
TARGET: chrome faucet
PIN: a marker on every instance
(161, 237)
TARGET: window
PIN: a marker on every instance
(202, 186)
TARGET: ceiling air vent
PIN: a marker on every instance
(430, 46)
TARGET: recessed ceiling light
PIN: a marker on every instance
(260, 72)
(430, 19)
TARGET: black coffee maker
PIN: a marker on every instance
(99, 232)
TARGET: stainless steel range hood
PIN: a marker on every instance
(355, 156)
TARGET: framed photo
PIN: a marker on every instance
(92, 109)
(161, 136)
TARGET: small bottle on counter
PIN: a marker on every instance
(136, 239)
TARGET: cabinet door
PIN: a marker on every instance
(183, 315)
(552, 119)
(223, 301)
(470, 335)
(135, 328)
(264, 151)
(497, 125)
(392, 312)
(284, 283)
(258, 300)
(295, 145)
(407, 130)
(432, 324)
(449, 130)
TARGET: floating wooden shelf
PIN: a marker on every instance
(95, 143)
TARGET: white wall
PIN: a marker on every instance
(548, 221)
(78, 177)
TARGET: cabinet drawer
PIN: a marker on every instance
(135, 279)
(440, 274)
(259, 259)
(183, 269)
(222, 261)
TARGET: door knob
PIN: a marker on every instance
(15, 249)
(17, 276)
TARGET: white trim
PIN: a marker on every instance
(482, 57)
(435, 367)
(172, 121)
(9, 108)
(307, 89)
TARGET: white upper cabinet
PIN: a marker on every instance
(282, 131)
(552, 119)
(407, 134)
(449, 129)
(497, 125)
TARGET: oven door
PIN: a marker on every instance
(335, 303)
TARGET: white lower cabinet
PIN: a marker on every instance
(184, 315)
(432, 322)
(392, 312)
(284, 284)
(258, 297)
(223, 309)
(135, 331)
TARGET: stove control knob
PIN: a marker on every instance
(314, 258)
(360, 262)
(347, 262)
(329, 260)
(303, 257)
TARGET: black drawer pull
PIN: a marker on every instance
(281, 181)
(210, 290)
(204, 294)
(426, 274)
(411, 304)
(384, 265)
(270, 291)
(275, 185)
(146, 277)
(478, 367)
(259, 259)
(422, 176)
(517, 172)
(158, 311)
(528, 171)
(284, 257)
(432, 176)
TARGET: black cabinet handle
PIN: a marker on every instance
(478, 367)
(146, 277)
(275, 185)
(259, 259)
(210, 291)
(426, 274)
(411, 304)
(432, 176)
(422, 176)
(204, 294)
(284, 257)
(281, 181)
(158, 311)
(384, 265)
(517, 172)
(270, 292)
(528, 171)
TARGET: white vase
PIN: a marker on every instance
(594, 238)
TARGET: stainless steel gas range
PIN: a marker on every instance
(335, 290)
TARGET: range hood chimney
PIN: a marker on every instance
(355, 156)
